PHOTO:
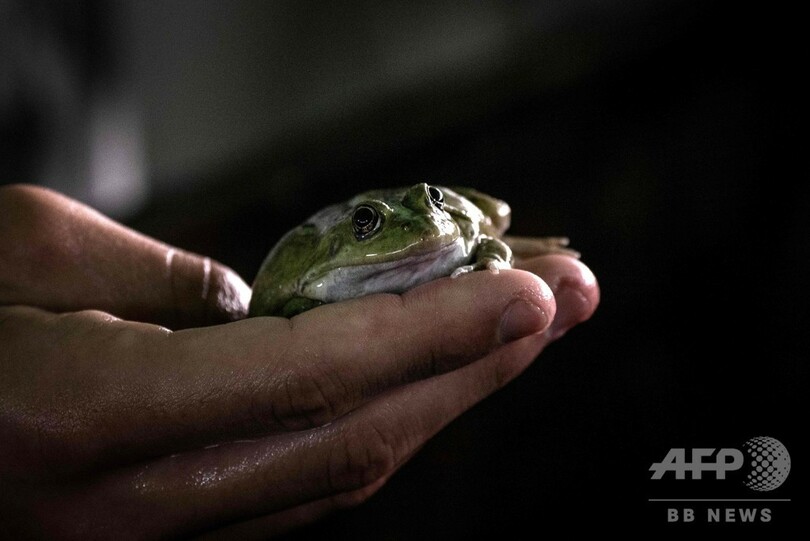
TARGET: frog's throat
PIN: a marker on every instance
(396, 276)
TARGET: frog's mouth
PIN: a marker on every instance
(394, 276)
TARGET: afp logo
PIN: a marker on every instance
(765, 460)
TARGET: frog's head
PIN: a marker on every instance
(390, 235)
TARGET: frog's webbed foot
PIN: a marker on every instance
(464, 269)
(492, 254)
(495, 265)
(492, 265)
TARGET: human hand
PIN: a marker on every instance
(122, 429)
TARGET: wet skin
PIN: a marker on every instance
(389, 241)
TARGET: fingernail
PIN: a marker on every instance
(571, 304)
(522, 318)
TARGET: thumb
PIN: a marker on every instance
(60, 255)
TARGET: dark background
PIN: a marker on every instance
(662, 137)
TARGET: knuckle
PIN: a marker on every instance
(507, 367)
(365, 456)
(20, 194)
(27, 207)
(311, 400)
(502, 373)
(438, 357)
(227, 295)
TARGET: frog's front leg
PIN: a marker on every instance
(491, 254)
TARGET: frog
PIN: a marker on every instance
(389, 240)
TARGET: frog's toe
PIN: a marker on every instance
(495, 265)
(464, 269)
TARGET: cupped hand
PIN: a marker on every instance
(115, 428)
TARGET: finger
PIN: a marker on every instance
(132, 391)
(303, 373)
(577, 294)
(199, 490)
(574, 285)
(60, 255)
(267, 526)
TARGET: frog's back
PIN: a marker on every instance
(276, 283)
(497, 213)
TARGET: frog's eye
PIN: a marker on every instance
(436, 197)
(366, 221)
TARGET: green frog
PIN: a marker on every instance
(389, 240)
